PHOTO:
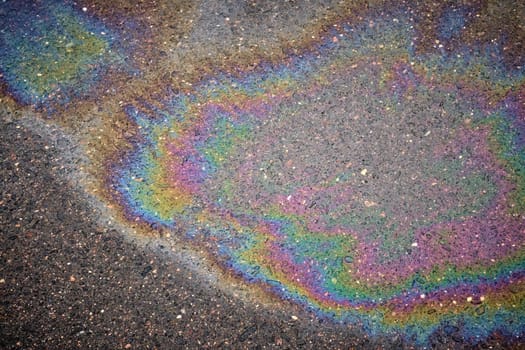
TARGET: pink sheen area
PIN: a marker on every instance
(260, 107)
(480, 239)
(515, 103)
(183, 173)
(520, 103)
(474, 241)
(404, 79)
(475, 95)
(269, 229)
(407, 303)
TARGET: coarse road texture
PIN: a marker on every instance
(323, 174)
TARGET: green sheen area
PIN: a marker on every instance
(228, 136)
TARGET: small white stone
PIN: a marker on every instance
(414, 244)
(295, 318)
(84, 9)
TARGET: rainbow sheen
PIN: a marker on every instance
(50, 51)
(368, 182)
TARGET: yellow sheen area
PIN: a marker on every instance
(161, 197)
